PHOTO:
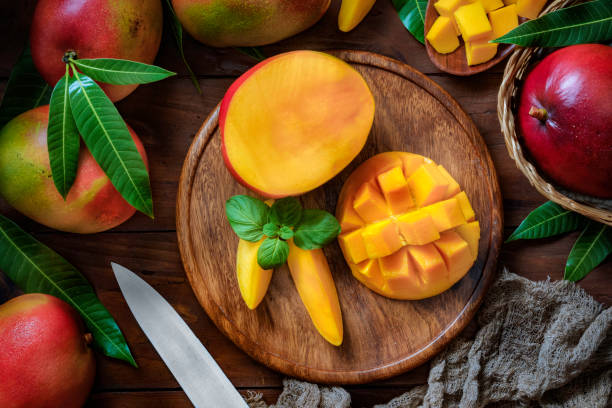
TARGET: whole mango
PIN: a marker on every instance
(126, 29)
(239, 23)
(45, 358)
(92, 205)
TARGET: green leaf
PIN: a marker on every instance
(286, 211)
(412, 14)
(36, 268)
(109, 141)
(177, 31)
(63, 140)
(253, 52)
(272, 253)
(316, 229)
(592, 246)
(247, 216)
(547, 220)
(583, 23)
(25, 89)
(121, 72)
(285, 233)
(270, 230)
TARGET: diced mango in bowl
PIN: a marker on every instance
(477, 22)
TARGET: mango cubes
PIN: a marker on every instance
(477, 22)
(416, 233)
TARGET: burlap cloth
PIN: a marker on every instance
(540, 344)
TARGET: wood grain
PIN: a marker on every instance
(456, 62)
(383, 337)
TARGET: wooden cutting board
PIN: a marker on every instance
(382, 337)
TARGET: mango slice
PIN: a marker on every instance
(253, 280)
(503, 20)
(423, 243)
(490, 5)
(294, 121)
(315, 285)
(473, 22)
(396, 191)
(352, 12)
(480, 51)
(443, 35)
(530, 8)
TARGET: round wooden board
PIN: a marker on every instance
(382, 337)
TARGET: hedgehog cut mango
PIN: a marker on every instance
(408, 231)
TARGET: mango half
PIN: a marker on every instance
(408, 231)
(294, 121)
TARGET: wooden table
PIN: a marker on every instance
(166, 115)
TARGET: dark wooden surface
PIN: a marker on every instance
(167, 115)
(382, 337)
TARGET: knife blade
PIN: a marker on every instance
(191, 364)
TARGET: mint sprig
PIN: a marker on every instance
(253, 220)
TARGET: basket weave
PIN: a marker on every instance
(597, 209)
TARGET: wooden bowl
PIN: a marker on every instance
(517, 68)
(382, 337)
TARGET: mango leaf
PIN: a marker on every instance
(63, 140)
(109, 141)
(177, 32)
(25, 89)
(35, 268)
(253, 52)
(547, 220)
(592, 246)
(580, 24)
(412, 14)
(121, 72)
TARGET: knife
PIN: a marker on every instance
(191, 364)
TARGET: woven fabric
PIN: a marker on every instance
(540, 344)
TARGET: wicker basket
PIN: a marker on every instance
(507, 100)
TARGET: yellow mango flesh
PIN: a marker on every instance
(480, 51)
(396, 191)
(253, 280)
(369, 204)
(490, 5)
(427, 184)
(503, 20)
(443, 36)
(315, 285)
(529, 8)
(294, 121)
(415, 253)
(352, 12)
(473, 22)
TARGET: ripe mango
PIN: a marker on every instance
(407, 251)
(253, 280)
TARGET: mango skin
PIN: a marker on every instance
(239, 23)
(45, 360)
(92, 205)
(124, 29)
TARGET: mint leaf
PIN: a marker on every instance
(270, 230)
(272, 253)
(285, 233)
(592, 246)
(316, 229)
(247, 216)
(286, 211)
(547, 220)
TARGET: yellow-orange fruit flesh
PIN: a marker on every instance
(415, 235)
(253, 280)
(294, 121)
(313, 281)
(352, 12)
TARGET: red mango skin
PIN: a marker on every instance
(124, 29)
(92, 205)
(45, 359)
(573, 146)
(238, 23)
